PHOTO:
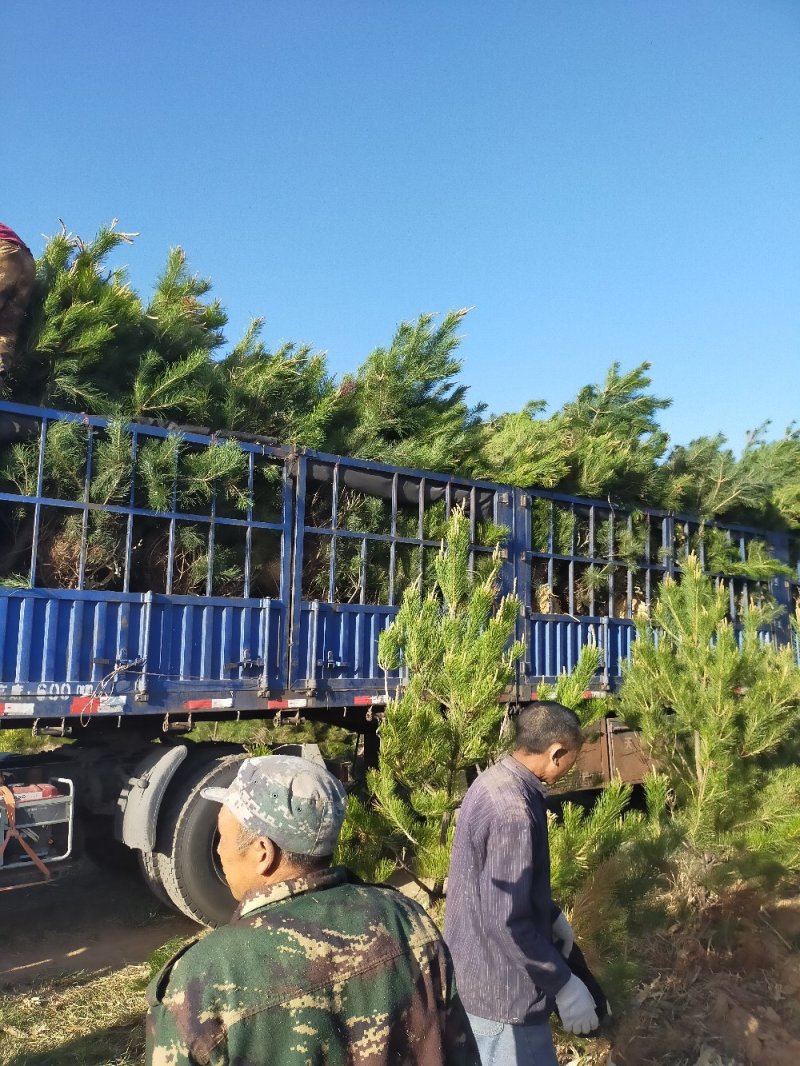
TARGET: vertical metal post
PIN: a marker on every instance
(421, 525)
(87, 481)
(311, 664)
(592, 557)
(211, 543)
(266, 612)
(37, 508)
(611, 567)
(473, 525)
(571, 565)
(392, 542)
(648, 558)
(362, 571)
(630, 572)
(668, 543)
(295, 558)
(147, 611)
(126, 577)
(551, 547)
(172, 529)
(248, 533)
(334, 539)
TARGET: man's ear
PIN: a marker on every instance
(267, 856)
(557, 752)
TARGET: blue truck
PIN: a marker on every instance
(153, 577)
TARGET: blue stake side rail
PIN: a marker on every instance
(260, 581)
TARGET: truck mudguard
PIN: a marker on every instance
(139, 802)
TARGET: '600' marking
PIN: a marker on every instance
(53, 690)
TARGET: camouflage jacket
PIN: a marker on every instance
(318, 970)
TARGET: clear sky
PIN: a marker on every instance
(615, 180)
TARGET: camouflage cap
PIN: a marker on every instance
(297, 803)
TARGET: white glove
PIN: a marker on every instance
(562, 931)
(576, 1007)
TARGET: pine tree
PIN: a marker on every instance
(287, 394)
(93, 344)
(404, 404)
(719, 711)
(606, 442)
(455, 642)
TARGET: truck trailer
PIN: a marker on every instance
(153, 577)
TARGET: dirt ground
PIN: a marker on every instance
(723, 989)
(89, 921)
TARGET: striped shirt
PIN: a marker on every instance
(499, 908)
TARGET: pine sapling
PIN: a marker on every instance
(455, 645)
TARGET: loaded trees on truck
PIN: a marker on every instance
(152, 578)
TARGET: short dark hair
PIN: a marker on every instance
(304, 863)
(307, 864)
(540, 725)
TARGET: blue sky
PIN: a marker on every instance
(601, 180)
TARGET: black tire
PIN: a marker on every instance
(152, 878)
(186, 861)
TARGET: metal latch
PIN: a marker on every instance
(330, 663)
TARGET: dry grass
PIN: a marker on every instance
(94, 1020)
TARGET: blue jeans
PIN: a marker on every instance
(503, 1044)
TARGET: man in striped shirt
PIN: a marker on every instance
(508, 940)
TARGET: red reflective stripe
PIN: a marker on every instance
(361, 700)
(84, 705)
(207, 705)
(277, 705)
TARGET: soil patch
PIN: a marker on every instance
(90, 920)
(724, 989)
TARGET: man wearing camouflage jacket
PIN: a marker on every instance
(314, 967)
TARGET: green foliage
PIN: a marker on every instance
(717, 710)
(615, 438)
(171, 390)
(157, 465)
(287, 394)
(220, 470)
(523, 449)
(93, 344)
(113, 463)
(721, 556)
(403, 405)
(454, 642)
(23, 742)
(605, 864)
(760, 488)
(569, 688)
(606, 442)
(260, 737)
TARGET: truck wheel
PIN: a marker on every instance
(148, 868)
(186, 858)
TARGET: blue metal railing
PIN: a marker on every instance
(287, 588)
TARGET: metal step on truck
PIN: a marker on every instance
(156, 577)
